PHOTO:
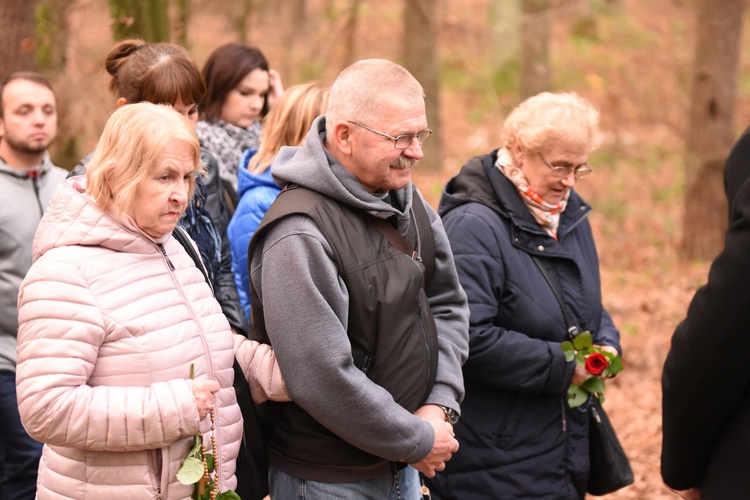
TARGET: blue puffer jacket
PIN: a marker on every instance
(256, 193)
(518, 437)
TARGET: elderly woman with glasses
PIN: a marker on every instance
(508, 215)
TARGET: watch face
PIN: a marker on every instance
(451, 415)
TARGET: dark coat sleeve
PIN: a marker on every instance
(708, 366)
(217, 209)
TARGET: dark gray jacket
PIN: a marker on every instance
(306, 311)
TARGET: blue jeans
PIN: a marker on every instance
(286, 487)
(19, 454)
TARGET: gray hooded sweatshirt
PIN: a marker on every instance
(305, 303)
(24, 199)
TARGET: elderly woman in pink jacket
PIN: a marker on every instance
(124, 355)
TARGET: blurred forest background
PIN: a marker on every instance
(669, 77)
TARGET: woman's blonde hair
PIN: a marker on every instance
(129, 150)
(547, 118)
(288, 122)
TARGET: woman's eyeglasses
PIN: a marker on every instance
(579, 172)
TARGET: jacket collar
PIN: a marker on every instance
(38, 171)
(481, 182)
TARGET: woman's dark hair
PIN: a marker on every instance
(160, 73)
(224, 70)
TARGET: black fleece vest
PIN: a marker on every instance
(390, 327)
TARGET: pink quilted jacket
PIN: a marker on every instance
(109, 324)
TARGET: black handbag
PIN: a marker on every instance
(609, 468)
(252, 462)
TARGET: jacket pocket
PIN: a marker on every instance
(154, 458)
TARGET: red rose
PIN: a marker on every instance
(596, 363)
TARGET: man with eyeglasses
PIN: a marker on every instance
(354, 285)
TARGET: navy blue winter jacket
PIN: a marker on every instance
(517, 435)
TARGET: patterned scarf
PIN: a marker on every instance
(227, 142)
(546, 214)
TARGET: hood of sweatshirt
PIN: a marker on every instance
(72, 218)
(249, 181)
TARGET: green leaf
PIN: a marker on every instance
(615, 366)
(581, 358)
(576, 396)
(583, 340)
(209, 488)
(607, 355)
(190, 471)
(228, 495)
(210, 462)
(567, 346)
(593, 384)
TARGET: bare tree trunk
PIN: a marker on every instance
(183, 20)
(17, 36)
(295, 31)
(53, 29)
(299, 17)
(421, 59)
(350, 32)
(710, 132)
(241, 21)
(535, 35)
(505, 20)
(146, 19)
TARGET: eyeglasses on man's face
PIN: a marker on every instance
(579, 172)
(400, 141)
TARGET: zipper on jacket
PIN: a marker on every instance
(166, 257)
(573, 226)
(209, 363)
(155, 463)
(425, 394)
(35, 183)
(396, 482)
(418, 250)
(366, 362)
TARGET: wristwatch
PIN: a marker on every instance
(451, 415)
